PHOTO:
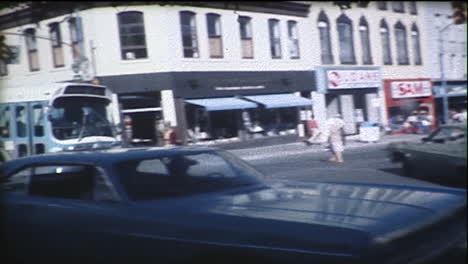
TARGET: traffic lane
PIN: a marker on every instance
(366, 165)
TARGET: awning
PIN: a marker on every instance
(280, 100)
(224, 103)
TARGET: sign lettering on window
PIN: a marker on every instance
(411, 89)
(338, 79)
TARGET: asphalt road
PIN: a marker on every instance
(367, 164)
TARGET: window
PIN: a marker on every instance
(401, 44)
(398, 6)
(56, 42)
(413, 8)
(181, 175)
(416, 45)
(21, 121)
(38, 119)
(245, 28)
(31, 47)
(325, 42)
(345, 36)
(293, 38)
(189, 34)
(213, 22)
(385, 37)
(275, 38)
(5, 122)
(382, 5)
(81, 182)
(132, 35)
(3, 68)
(76, 37)
(365, 41)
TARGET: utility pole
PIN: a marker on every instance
(443, 85)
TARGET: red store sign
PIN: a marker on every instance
(353, 79)
(411, 89)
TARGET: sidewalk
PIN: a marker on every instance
(299, 147)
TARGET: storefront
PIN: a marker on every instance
(450, 100)
(245, 105)
(353, 92)
(407, 99)
(215, 106)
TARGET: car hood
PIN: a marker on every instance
(334, 216)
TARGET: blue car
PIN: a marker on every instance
(203, 205)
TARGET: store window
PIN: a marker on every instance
(31, 47)
(293, 37)
(398, 6)
(275, 39)
(56, 42)
(189, 34)
(385, 37)
(76, 36)
(365, 41)
(345, 36)
(213, 22)
(413, 7)
(245, 28)
(401, 44)
(132, 35)
(382, 5)
(325, 42)
(416, 44)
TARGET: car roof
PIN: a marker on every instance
(99, 156)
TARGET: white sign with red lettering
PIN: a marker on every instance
(410, 89)
(353, 79)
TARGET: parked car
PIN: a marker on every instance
(202, 205)
(441, 155)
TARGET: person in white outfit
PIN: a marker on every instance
(335, 131)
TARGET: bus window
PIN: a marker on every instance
(40, 148)
(38, 117)
(21, 121)
(5, 122)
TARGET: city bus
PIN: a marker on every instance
(57, 117)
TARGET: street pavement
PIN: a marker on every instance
(295, 148)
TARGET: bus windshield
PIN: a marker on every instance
(79, 117)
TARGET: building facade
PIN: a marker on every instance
(225, 70)
(448, 43)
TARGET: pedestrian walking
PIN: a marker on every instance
(335, 131)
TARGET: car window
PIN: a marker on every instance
(61, 181)
(18, 182)
(180, 174)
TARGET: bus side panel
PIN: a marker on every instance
(39, 129)
(21, 130)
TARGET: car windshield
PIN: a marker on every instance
(185, 174)
(77, 117)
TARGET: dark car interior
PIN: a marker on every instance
(75, 183)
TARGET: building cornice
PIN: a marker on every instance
(39, 12)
